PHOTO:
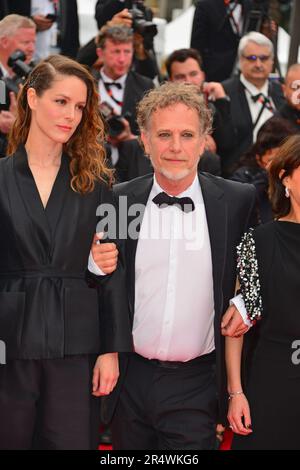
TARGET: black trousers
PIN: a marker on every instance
(47, 404)
(162, 408)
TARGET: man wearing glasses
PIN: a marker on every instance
(254, 98)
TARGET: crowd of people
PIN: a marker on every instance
(149, 267)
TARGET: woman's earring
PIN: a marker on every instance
(287, 192)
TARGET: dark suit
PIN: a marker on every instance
(21, 7)
(213, 37)
(291, 114)
(242, 120)
(48, 311)
(228, 209)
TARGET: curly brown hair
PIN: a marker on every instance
(286, 161)
(85, 148)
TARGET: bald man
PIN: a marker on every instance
(291, 89)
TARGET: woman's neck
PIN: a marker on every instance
(292, 216)
(44, 153)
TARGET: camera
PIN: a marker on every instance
(141, 25)
(114, 122)
(16, 62)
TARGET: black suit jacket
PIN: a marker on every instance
(213, 37)
(229, 207)
(47, 308)
(21, 7)
(241, 118)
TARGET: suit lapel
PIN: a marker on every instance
(127, 98)
(139, 195)
(244, 111)
(57, 197)
(30, 196)
(216, 214)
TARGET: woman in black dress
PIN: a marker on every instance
(267, 415)
(53, 324)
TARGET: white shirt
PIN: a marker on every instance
(255, 107)
(116, 92)
(5, 72)
(43, 38)
(237, 21)
(174, 304)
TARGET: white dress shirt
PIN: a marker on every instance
(116, 92)
(43, 38)
(174, 303)
(255, 107)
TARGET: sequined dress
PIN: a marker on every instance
(273, 381)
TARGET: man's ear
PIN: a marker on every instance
(31, 98)
(145, 140)
(99, 52)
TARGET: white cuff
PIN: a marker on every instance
(93, 267)
(238, 301)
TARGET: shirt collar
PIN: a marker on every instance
(107, 79)
(252, 88)
(193, 191)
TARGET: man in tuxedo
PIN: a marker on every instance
(253, 97)
(216, 32)
(180, 278)
(120, 88)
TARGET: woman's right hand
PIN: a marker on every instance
(239, 415)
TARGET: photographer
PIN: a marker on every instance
(113, 13)
(16, 33)
(120, 89)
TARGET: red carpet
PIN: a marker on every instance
(226, 444)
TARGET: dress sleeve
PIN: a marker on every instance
(247, 271)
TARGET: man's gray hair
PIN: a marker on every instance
(257, 38)
(10, 24)
(117, 34)
(170, 94)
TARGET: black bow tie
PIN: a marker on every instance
(255, 98)
(116, 84)
(186, 204)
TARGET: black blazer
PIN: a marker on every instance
(21, 7)
(136, 86)
(229, 207)
(47, 308)
(213, 37)
(241, 118)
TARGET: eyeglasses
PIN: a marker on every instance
(253, 58)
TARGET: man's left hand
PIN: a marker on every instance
(105, 374)
(232, 323)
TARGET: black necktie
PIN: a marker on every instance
(116, 84)
(162, 200)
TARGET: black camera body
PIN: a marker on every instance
(141, 25)
(16, 62)
(115, 124)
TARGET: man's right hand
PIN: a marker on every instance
(121, 18)
(42, 23)
(105, 255)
